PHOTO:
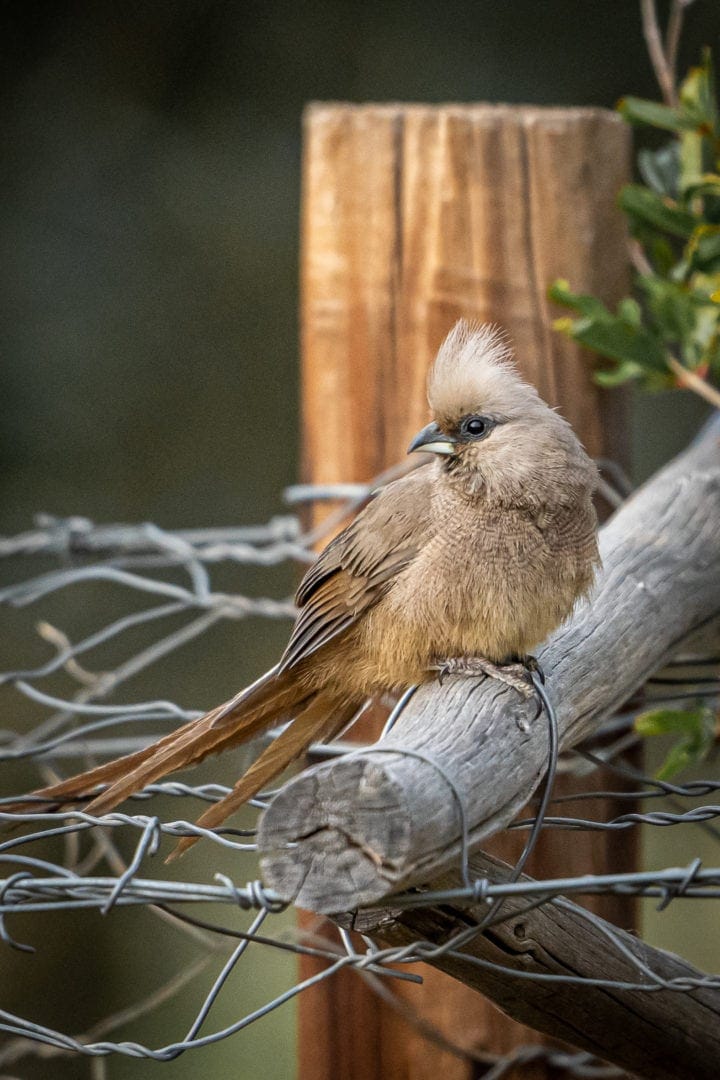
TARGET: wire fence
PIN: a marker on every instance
(169, 575)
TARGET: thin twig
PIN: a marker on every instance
(638, 258)
(694, 382)
(656, 50)
(673, 33)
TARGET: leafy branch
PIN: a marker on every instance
(668, 334)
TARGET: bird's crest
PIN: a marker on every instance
(474, 370)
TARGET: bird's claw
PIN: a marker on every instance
(454, 666)
(517, 674)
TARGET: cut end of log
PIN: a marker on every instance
(466, 757)
(335, 826)
(353, 831)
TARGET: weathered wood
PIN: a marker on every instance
(658, 1034)
(414, 216)
(366, 825)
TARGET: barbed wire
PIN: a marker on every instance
(173, 570)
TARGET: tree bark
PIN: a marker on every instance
(660, 1034)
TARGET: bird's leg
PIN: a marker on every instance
(517, 673)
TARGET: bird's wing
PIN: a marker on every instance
(360, 564)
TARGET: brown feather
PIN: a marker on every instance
(322, 718)
(356, 568)
(243, 717)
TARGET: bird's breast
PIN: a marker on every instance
(495, 586)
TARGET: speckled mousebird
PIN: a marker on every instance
(474, 558)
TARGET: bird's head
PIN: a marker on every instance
(490, 429)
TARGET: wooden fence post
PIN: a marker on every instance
(414, 216)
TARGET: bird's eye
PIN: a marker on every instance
(474, 427)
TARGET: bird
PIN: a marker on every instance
(463, 565)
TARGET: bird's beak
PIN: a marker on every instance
(431, 440)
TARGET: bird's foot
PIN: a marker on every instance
(517, 673)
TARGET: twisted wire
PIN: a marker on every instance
(173, 568)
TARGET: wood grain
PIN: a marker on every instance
(414, 216)
(658, 1034)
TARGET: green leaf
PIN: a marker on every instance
(672, 306)
(640, 111)
(620, 337)
(708, 184)
(696, 728)
(697, 94)
(701, 348)
(621, 373)
(561, 293)
(630, 311)
(692, 159)
(660, 169)
(703, 196)
(703, 250)
(697, 101)
(685, 317)
(645, 207)
(612, 337)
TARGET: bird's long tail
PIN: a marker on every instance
(271, 700)
(322, 718)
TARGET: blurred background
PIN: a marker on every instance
(149, 230)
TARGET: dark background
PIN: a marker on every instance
(149, 234)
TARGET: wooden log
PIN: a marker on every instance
(661, 1034)
(366, 825)
(414, 216)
